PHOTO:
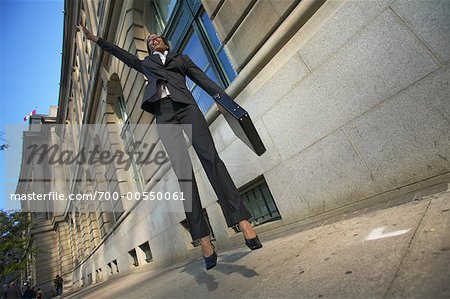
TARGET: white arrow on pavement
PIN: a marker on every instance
(378, 233)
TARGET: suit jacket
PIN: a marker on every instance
(173, 73)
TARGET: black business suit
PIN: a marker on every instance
(182, 109)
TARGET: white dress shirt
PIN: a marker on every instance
(164, 90)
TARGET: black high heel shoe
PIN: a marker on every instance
(211, 261)
(254, 243)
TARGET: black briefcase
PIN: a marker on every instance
(241, 123)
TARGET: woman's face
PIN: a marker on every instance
(156, 43)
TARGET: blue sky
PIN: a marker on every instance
(31, 35)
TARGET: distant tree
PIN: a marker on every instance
(3, 142)
(14, 242)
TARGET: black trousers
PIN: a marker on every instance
(191, 119)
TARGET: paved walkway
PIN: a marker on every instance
(397, 252)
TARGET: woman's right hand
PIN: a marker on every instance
(89, 35)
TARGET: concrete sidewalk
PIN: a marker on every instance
(397, 252)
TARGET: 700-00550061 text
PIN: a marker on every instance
(151, 195)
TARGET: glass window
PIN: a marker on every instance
(210, 31)
(158, 14)
(226, 64)
(258, 199)
(145, 247)
(128, 138)
(190, 31)
(195, 51)
(207, 52)
(123, 116)
(164, 9)
(218, 48)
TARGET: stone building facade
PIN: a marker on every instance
(351, 99)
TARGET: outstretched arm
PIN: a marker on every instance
(201, 79)
(126, 57)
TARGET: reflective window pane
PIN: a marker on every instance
(203, 99)
(189, 83)
(157, 14)
(165, 9)
(210, 31)
(226, 64)
(210, 73)
(195, 51)
(219, 51)
(194, 35)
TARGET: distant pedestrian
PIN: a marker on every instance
(58, 285)
(28, 294)
(39, 294)
(12, 292)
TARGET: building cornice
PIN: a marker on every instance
(71, 12)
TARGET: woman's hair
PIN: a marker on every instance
(165, 41)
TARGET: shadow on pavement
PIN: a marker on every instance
(224, 265)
